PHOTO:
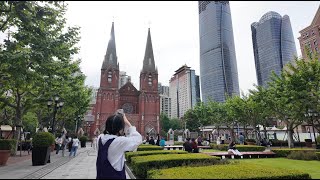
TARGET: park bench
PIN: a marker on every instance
(223, 155)
(173, 148)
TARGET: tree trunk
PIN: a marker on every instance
(245, 131)
(265, 131)
(290, 138)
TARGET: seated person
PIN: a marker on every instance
(162, 142)
(194, 145)
(232, 149)
(151, 141)
(187, 145)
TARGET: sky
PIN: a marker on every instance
(174, 30)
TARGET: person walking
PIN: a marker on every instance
(58, 143)
(94, 142)
(112, 145)
(65, 140)
(75, 145)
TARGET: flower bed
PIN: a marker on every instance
(129, 155)
(229, 171)
(241, 148)
(141, 164)
(149, 148)
(285, 152)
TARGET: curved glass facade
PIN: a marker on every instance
(218, 66)
(273, 45)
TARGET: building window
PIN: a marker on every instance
(315, 42)
(307, 34)
(312, 32)
(150, 80)
(109, 76)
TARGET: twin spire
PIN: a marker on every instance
(111, 59)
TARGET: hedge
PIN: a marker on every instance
(318, 155)
(177, 143)
(241, 148)
(43, 139)
(285, 151)
(303, 155)
(141, 164)
(149, 148)
(129, 155)
(229, 171)
(8, 144)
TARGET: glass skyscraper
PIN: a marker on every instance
(273, 45)
(218, 65)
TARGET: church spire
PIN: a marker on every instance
(148, 61)
(111, 59)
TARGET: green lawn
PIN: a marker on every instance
(311, 167)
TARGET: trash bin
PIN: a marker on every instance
(308, 142)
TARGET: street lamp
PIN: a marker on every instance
(57, 104)
(78, 118)
(312, 114)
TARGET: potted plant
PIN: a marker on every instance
(250, 141)
(41, 150)
(83, 140)
(6, 146)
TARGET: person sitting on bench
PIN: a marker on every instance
(232, 149)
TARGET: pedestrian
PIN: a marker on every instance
(147, 138)
(94, 142)
(158, 140)
(70, 144)
(75, 145)
(65, 140)
(187, 145)
(222, 139)
(199, 140)
(151, 141)
(241, 139)
(194, 146)
(112, 145)
(232, 149)
(58, 143)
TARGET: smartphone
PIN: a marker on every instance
(120, 111)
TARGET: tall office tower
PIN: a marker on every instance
(182, 91)
(198, 99)
(310, 36)
(218, 66)
(273, 45)
(165, 100)
(124, 78)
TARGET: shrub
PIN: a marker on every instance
(43, 139)
(83, 138)
(285, 152)
(141, 164)
(303, 155)
(177, 143)
(129, 155)
(276, 142)
(149, 148)
(318, 155)
(250, 140)
(230, 171)
(243, 148)
(8, 144)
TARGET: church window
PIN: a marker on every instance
(150, 80)
(109, 76)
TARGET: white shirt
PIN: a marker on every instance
(120, 145)
(75, 142)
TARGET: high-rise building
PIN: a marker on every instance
(182, 91)
(273, 45)
(124, 78)
(198, 98)
(218, 65)
(165, 100)
(310, 36)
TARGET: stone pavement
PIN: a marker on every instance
(83, 166)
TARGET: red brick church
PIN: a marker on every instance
(142, 108)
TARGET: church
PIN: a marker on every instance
(142, 107)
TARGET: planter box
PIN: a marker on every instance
(4, 156)
(40, 155)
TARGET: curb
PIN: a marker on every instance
(131, 175)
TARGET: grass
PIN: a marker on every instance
(211, 150)
(310, 167)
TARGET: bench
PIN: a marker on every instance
(223, 155)
(173, 148)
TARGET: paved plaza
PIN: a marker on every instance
(83, 166)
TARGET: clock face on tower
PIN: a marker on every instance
(127, 108)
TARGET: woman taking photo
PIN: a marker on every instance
(112, 145)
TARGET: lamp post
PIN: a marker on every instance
(312, 114)
(78, 118)
(57, 104)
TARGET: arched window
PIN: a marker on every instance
(150, 80)
(109, 76)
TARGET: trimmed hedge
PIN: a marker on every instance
(83, 138)
(229, 171)
(241, 148)
(318, 155)
(303, 155)
(177, 143)
(285, 152)
(129, 155)
(149, 148)
(43, 139)
(141, 164)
